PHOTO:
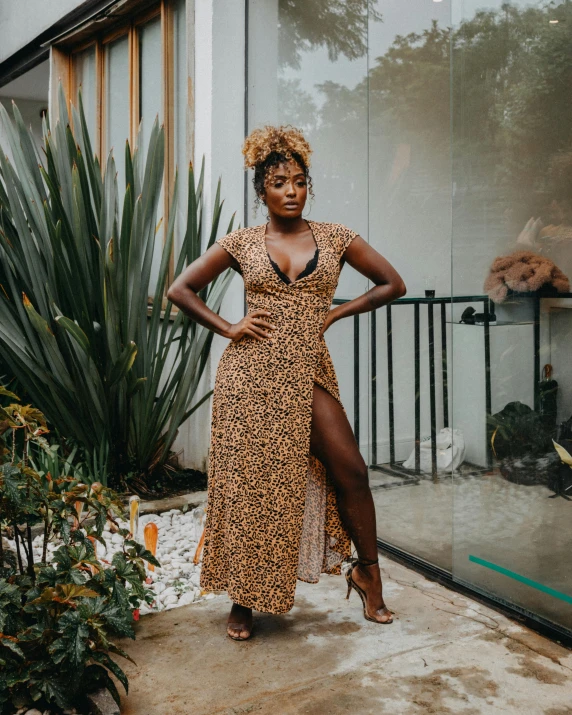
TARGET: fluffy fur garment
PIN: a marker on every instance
(523, 272)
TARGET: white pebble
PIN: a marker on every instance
(168, 592)
(187, 598)
(171, 598)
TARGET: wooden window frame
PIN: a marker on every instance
(62, 59)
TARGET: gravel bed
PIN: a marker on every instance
(176, 583)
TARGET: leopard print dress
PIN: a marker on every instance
(272, 515)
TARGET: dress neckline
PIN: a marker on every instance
(310, 267)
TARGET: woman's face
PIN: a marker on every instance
(286, 190)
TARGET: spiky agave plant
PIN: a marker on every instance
(108, 370)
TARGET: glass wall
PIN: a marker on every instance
(441, 133)
(409, 172)
(512, 227)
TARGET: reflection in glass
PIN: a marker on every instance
(408, 96)
(512, 225)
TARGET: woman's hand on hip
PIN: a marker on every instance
(254, 324)
(330, 318)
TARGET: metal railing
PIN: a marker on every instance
(395, 467)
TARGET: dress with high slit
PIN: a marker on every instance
(272, 514)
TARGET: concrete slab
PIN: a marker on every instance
(444, 653)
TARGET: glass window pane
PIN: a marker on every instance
(151, 106)
(512, 198)
(150, 78)
(308, 67)
(181, 154)
(84, 79)
(117, 104)
(410, 224)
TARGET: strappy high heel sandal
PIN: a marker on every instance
(352, 584)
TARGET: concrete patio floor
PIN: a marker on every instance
(444, 653)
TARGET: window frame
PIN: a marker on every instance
(62, 60)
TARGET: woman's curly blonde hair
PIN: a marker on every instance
(285, 140)
(268, 147)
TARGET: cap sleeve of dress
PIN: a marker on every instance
(233, 244)
(344, 236)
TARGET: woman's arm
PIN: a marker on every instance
(388, 283)
(184, 289)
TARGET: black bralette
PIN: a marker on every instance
(310, 266)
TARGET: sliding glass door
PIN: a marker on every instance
(512, 241)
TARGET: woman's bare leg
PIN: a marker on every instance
(333, 443)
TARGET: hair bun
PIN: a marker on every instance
(285, 139)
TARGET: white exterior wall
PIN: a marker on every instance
(30, 111)
(21, 22)
(218, 59)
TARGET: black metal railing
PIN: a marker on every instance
(395, 467)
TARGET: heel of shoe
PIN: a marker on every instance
(349, 587)
(361, 593)
(349, 580)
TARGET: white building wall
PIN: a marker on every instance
(30, 110)
(21, 22)
(218, 101)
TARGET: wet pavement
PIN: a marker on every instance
(444, 653)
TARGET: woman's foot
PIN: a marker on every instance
(368, 578)
(239, 624)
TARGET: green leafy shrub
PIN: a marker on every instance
(57, 617)
(113, 373)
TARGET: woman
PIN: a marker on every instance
(288, 487)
